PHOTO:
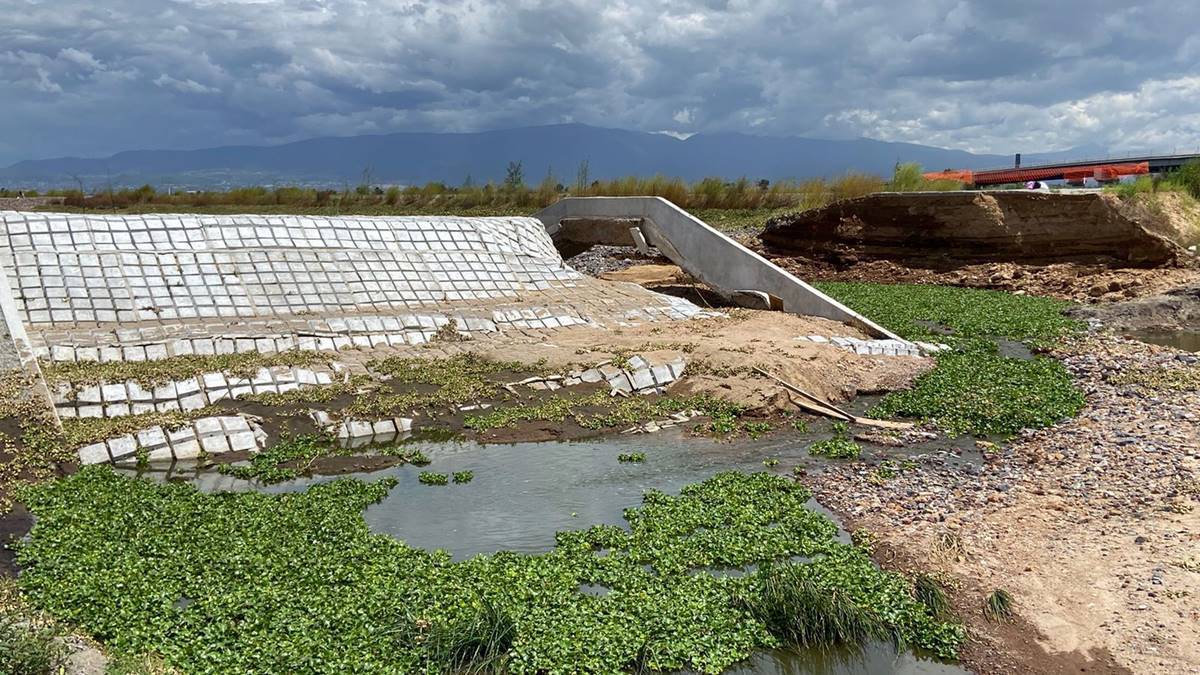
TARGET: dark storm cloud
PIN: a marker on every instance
(82, 79)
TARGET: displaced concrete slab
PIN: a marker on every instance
(705, 253)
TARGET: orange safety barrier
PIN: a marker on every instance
(1075, 174)
(965, 176)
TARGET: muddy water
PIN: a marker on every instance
(523, 493)
(1187, 340)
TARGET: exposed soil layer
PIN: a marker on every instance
(1083, 283)
(1091, 524)
(941, 230)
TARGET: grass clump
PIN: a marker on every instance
(433, 478)
(974, 389)
(478, 643)
(631, 457)
(929, 592)
(30, 646)
(998, 606)
(463, 477)
(803, 614)
(114, 555)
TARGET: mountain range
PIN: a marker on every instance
(417, 158)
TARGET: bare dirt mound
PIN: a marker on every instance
(949, 229)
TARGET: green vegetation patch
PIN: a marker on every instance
(31, 446)
(985, 394)
(250, 582)
(972, 314)
(438, 383)
(431, 478)
(151, 373)
(974, 389)
(836, 448)
(841, 446)
(293, 457)
(631, 457)
(601, 410)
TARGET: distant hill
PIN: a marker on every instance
(417, 158)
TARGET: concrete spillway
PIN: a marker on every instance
(110, 288)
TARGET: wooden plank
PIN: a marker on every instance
(810, 402)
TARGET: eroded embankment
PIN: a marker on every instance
(942, 229)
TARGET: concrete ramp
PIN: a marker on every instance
(715, 259)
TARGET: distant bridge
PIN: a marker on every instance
(1103, 171)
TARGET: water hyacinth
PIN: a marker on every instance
(115, 555)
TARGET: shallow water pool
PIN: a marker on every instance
(522, 493)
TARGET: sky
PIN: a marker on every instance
(93, 77)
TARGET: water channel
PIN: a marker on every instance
(522, 493)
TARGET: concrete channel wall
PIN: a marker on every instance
(709, 255)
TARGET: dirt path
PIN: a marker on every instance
(1092, 525)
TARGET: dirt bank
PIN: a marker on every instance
(1083, 283)
(1091, 524)
(946, 229)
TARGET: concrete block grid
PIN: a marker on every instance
(143, 288)
(336, 334)
(117, 399)
(345, 283)
(206, 435)
(72, 269)
(877, 347)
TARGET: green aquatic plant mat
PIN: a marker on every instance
(296, 582)
(974, 389)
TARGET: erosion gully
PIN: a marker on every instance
(522, 493)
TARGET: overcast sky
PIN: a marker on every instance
(93, 77)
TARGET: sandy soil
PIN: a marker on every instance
(722, 352)
(1093, 525)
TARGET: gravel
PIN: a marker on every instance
(1134, 449)
(599, 259)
